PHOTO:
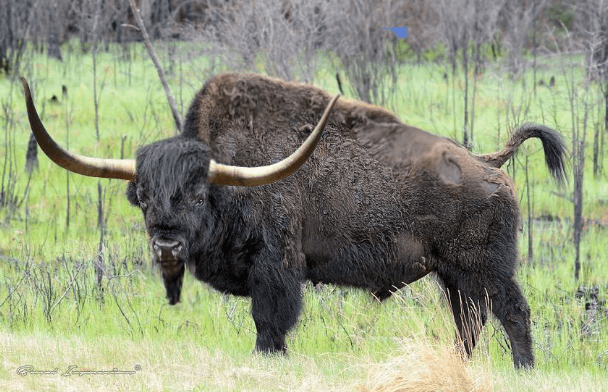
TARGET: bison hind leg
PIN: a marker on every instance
(512, 309)
(470, 315)
(507, 303)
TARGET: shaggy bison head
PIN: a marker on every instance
(171, 188)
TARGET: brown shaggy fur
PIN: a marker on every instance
(378, 205)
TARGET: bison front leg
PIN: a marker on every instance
(276, 301)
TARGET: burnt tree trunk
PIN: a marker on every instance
(579, 160)
(99, 264)
(465, 66)
(596, 149)
(600, 59)
(578, 168)
(530, 238)
(534, 49)
(31, 157)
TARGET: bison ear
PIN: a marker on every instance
(132, 193)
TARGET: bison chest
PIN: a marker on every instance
(229, 277)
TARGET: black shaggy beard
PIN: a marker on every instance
(172, 271)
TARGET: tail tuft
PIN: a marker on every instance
(553, 145)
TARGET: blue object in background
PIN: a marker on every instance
(400, 32)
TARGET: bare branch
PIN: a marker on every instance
(159, 68)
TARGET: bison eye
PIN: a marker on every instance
(142, 196)
(199, 202)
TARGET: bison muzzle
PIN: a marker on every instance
(376, 205)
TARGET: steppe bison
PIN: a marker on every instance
(378, 205)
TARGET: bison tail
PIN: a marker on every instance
(553, 145)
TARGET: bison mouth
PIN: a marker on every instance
(170, 255)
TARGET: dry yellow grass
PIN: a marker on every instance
(423, 368)
(155, 367)
(183, 366)
(167, 366)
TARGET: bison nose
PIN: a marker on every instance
(167, 249)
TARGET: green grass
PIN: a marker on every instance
(53, 314)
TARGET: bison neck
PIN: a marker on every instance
(224, 253)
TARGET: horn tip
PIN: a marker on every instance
(26, 87)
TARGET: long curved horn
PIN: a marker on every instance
(93, 167)
(262, 175)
